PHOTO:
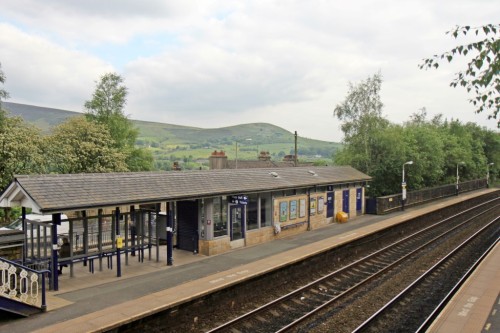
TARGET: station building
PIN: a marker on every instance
(204, 211)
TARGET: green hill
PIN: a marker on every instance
(187, 144)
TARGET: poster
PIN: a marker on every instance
(293, 209)
(283, 211)
(321, 204)
(302, 207)
(312, 206)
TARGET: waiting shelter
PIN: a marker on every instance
(203, 211)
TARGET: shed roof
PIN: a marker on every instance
(64, 192)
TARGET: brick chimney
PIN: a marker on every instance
(264, 156)
(217, 160)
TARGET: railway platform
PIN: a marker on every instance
(101, 301)
(476, 306)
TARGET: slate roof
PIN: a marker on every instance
(246, 164)
(57, 193)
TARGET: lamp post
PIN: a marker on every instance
(403, 186)
(236, 160)
(488, 174)
(456, 189)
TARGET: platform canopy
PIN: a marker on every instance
(56, 193)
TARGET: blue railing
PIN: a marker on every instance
(22, 283)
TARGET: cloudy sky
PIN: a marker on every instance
(211, 63)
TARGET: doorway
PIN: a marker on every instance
(345, 201)
(187, 223)
(237, 222)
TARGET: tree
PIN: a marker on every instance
(140, 159)
(482, 74)
(80, 146)
(21, 152)
(3, 93)
(106, 108)
(361, 113)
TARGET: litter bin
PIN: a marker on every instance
(342, 217)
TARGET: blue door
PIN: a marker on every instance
(359, 202)
(345, 201)
(329, 204)
(237, 222)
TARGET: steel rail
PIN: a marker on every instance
(377, 274)
(338, 272)
(437, 310)
(420, 279)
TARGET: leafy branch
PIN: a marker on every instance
(482, 74)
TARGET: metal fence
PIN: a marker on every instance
(390, 203)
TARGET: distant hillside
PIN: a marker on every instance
(174, 142)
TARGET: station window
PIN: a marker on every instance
(265, 209)
(300, 191)
(220, 217)
(321, 189)
(253, 212)
(278, 194)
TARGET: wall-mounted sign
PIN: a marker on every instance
(312, 206)
(302, 207)
(283, 211)
(321, 203)
(239, 199)
(293, 209)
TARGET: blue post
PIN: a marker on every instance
(119, 244)
(56, 220)
(25, 243)
(133, 225)
(44, 301)
(170, 229)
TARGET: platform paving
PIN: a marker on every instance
(101, 301)
(476, 306)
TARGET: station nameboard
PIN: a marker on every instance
(239, 199)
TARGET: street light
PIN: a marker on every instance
(461, 163)
(403, 186)
(488, 174)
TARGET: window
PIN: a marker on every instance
(253, 212)
(265, 210)
(220, 217)
(321, 189)
(301, 191)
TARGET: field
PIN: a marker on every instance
(191, 145)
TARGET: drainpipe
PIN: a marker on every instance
(308, 209)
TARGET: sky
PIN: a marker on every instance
(211, 63)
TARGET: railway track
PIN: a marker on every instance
(408, 311)
(333, 290)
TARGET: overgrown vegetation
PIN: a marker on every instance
(437, 147)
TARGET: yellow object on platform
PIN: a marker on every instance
(342, 217)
